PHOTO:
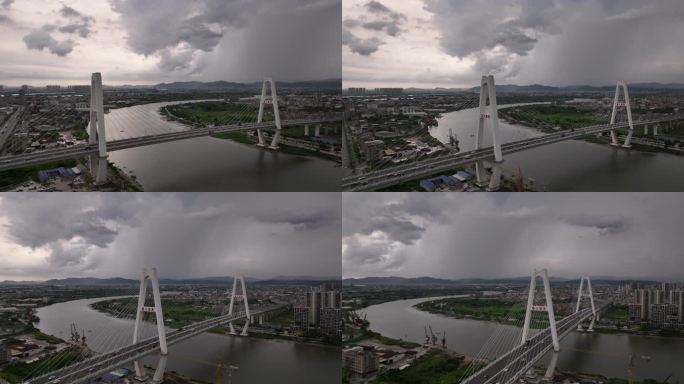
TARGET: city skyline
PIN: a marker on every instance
(455, 236)
(184, 235)
(439, 43)
(133, 42)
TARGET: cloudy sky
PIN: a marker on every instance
(143, 42)
(184, 235)
(451, 43)
(458, 235)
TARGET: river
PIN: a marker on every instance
(596, 353)
(207, 163)
(259, 361)
(572, 165)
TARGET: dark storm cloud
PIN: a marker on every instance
(384, 20)
(40, 39)
(573, 41)
(287, 33)
(7, 3)
(184, 235)
(363, 47)
(475, 235)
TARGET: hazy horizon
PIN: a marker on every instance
(461, 235)
(189, 235)
(451, 43)
(139, 42)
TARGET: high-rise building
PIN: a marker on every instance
(53, 88)
(680, 306)
(301, 316)
(356, 91)
(644, 301)
(331, 321)
(374, 149)
(313, 302)
(634, 313)
(361, 360)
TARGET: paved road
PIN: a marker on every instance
(395, 175)
(18, 161)
(101, 364)
(511, 366)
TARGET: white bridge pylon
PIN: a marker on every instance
(626, 104)
(590, 295)
(276, 113)
(151, 275)
(96, 133)
(548, 308)
(489, 112)
(233, 297)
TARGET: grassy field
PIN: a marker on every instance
(507, 312)
(370, 335)
(18, 372)
(548, 117)
(215, 112)
(175, 315)
(436, 368)
(13, 177)
(617, 313)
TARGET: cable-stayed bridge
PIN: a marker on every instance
(99, 364)
(488, 115)
(98, 147)
(511, 365)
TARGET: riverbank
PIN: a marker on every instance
(551, 119)
(247, 139)
(26, 179)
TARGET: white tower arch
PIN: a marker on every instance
(489, 112)
(276, 113)
(151, 275)
(548, 308)
(590, 295)
(616, 103)
(96, 133)
(233, 297)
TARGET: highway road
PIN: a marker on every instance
(18, 161)
(106, 362)
(395, 175)
(511, 366)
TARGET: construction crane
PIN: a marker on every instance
(433, 337)
(219, 372)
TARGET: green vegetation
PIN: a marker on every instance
(18, 372)
(176, 315)
(212, 112)
(9, 179)
(617, 312)
(502, 311)
(548, 117)
(366, 334)
(436, 368)
(239, 137)
(80, 133)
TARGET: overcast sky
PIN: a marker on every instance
(143, 42)
(258, 235)
(459, 235)
(451, 43)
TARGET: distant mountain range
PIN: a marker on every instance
(537, 88)
(329, 84)
(218, 280)
(431, 281)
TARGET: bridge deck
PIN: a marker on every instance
(18, 161)
(395, 175)
(512, 365)
(103, 363)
